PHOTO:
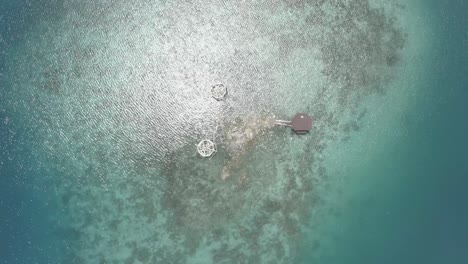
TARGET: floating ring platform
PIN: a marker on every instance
(206, 148)
(218, 91)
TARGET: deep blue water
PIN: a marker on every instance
(26, 232)
(428, 219)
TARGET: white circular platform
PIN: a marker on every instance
(218, 91)
(206, 148)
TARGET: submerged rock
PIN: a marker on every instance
(240, 136)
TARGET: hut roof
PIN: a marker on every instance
(301, 123)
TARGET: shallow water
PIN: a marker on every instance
(102, 104)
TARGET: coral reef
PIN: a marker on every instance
(120, 94)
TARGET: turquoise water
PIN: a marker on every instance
(103, 102)
(410, 207)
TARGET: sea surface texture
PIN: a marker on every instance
(102, 105)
